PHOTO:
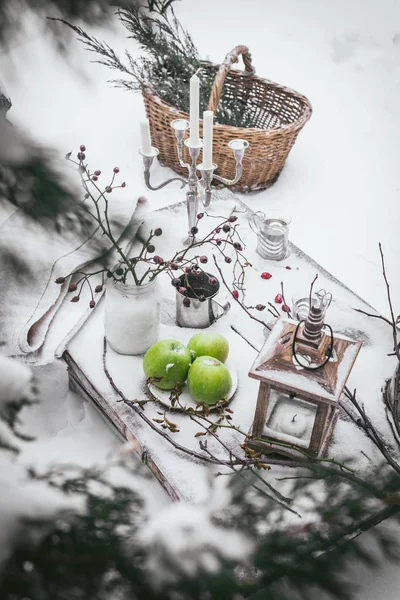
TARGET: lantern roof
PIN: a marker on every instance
(276, 366)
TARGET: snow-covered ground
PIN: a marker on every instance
(341, 184)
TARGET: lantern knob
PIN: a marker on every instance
(315, 320)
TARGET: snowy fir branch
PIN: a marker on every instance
(242, 545)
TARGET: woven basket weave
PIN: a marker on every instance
(278, 113)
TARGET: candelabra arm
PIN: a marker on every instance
(238, 148)
(239, 171)
(148, 161)
(159, 187)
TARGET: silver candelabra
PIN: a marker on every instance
(199, 188)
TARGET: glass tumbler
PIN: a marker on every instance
(272, 229)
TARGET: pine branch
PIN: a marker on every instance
(109, 58)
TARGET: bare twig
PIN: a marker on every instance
(311, 289)
(393, 323)
(238, 301)
(284, 300)
(274, 312)
(373, 316)
(245, 339)
(243, 461)
(370, 430)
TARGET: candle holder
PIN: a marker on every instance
(199, 187)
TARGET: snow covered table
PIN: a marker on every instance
(188, 477)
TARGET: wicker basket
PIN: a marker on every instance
(279, 114)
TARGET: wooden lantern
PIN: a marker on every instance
(297, 408)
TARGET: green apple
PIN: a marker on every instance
(209, 380)
(209, 344)
(168, 360)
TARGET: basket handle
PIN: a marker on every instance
(231, 58)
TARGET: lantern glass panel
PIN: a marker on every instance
(289, 419)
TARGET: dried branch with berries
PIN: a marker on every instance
(183, 267)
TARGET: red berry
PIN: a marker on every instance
(226, 228)
(75, 299)
(92, 304)
(212, 281)
(232, 219)
(73, 287)
(97, 173)
(218, 230)
(116, 169)
(200, 215)
(235, 294)
(260, 307)
(179, 259)
(285, 308)
(158, 260)
(266, 275)
(228, 259)
(278, 299)
(109, 189)
(203, 259)
(289, 268)
(94, 178)
(218, 241)
(186, 302)
(182, 290)
(123, 184)
(82, 148)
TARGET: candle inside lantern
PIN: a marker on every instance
(207, 139)
(145, 136)
(194, 139)
(292, 424)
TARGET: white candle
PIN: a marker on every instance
(207, 139)
(145, 135)
(292, 424)
(194, 111)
